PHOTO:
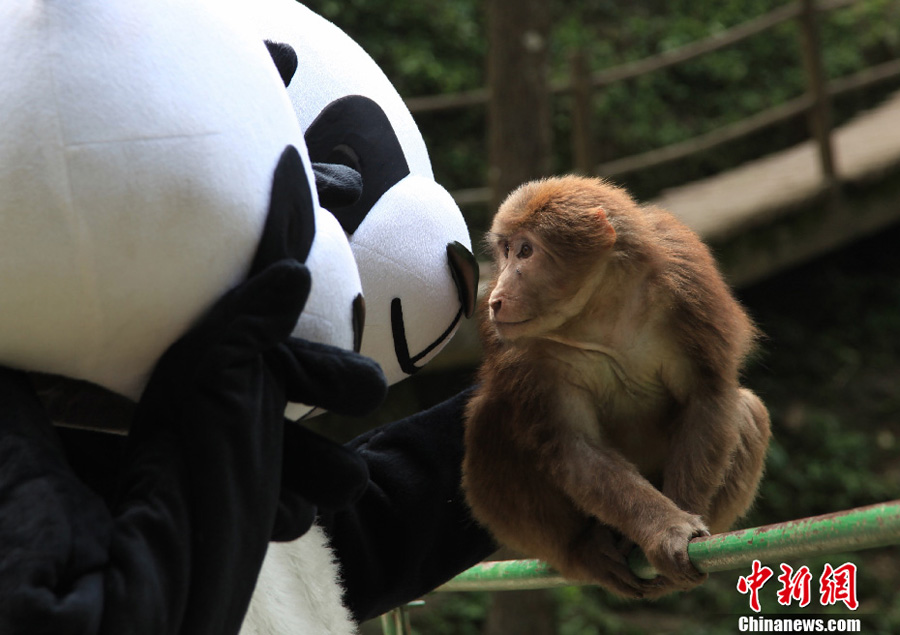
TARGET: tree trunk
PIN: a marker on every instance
(519, 150)
(519, 144)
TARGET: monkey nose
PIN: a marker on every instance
(495, 306)
(359, 321)
(464, 269)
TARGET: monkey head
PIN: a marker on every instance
(551, 240)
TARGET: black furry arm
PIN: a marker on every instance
(411, 530)
(179, 547)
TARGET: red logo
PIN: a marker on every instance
(753, 583)
(794, 586)
(839, 585)
(835, 585)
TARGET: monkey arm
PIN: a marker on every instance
(606, 485)
(597, 477)
(609, 487)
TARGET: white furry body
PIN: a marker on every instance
(299, 591)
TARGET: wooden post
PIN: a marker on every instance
(519, 150)
(582, 159)
(820, 112)
(519, 130)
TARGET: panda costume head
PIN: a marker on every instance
(409, 238)
(138, 157)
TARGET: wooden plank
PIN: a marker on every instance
(755, 123)
(813, 230)
(727, 204)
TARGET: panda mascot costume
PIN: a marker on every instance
(419, 278)
(165, 255)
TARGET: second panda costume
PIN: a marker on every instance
(410, 530)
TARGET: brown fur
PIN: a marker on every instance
(609, 411)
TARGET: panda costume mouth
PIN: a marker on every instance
(401, 346)
(464, 269)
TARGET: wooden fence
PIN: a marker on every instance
(583, 86)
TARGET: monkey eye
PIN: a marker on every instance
(525, 250)
(506, 249)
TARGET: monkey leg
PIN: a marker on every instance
(745, 470)
(716, 455)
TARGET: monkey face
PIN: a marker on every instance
(529, 294)
(551, 241)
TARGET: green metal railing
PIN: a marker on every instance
(851, 530)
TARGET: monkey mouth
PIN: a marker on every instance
(505, 323)
(509, 331)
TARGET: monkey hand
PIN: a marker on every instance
(667, 552)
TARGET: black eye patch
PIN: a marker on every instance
(354, 131)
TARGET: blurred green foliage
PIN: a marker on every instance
(432, 47)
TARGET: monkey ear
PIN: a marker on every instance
(605, 231)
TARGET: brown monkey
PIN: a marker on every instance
(609, 408)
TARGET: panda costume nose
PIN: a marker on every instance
(464, 269)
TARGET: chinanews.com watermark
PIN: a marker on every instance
(834, 586)
(793, 624)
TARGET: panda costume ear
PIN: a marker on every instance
(285, 59)
(337, 185)
(291, 224)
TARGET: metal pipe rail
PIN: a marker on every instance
(851, 530)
